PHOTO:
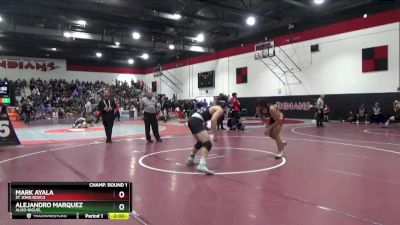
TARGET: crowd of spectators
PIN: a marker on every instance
(374, 114)
(63, 99)
(48, 99)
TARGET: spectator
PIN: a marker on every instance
(376, 116)
(158, 106)
(166, 107)
(27, 111)
(88, 107)
(396, 114)
(204, 104)
(235, 107)
(327, 109)
(361, 114)
(351, 117)
(117, 111)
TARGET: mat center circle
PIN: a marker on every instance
(154, 154)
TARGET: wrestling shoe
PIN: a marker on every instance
(202, 168)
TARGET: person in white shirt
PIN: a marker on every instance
(320, 106)
(88, 107)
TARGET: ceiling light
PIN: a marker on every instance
(117, 43)
(1, 18)
(131, 61)
(251, 20)
(365, 15)
(135, 35)
(197, 49)
(54, 49)
(318, 2)
(67, 34)
(171, 47)
(145, 56)
(99, 55)
(79, 35)
(176, 16)
(200, 38)
(81, 22)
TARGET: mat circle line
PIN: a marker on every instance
(283, 161)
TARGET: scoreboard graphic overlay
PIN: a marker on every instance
(5, 93)
(66, 200)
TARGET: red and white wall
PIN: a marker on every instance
(26, 69)
(335, 69)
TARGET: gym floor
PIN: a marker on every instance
(339, 174)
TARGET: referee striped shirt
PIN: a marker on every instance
(148, 105)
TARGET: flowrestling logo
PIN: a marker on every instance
(28, 64)
(294, 106)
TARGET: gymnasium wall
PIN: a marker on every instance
(46, 69)
(335, 69)
(299, 106)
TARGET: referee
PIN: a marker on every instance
(320, 110)
(148, 105)
(106, 109)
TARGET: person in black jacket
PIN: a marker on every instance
(26, 110)
(106, 109)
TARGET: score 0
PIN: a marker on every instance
(121, 195)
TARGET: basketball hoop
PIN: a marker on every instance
(158, 71)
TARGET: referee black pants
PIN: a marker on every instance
(151, 119)
(320, 118)
(108, 126)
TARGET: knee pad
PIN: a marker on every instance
(198, 145)
(207, 145)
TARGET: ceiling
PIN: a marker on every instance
(33, 27)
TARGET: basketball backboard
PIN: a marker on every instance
(264, 50)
